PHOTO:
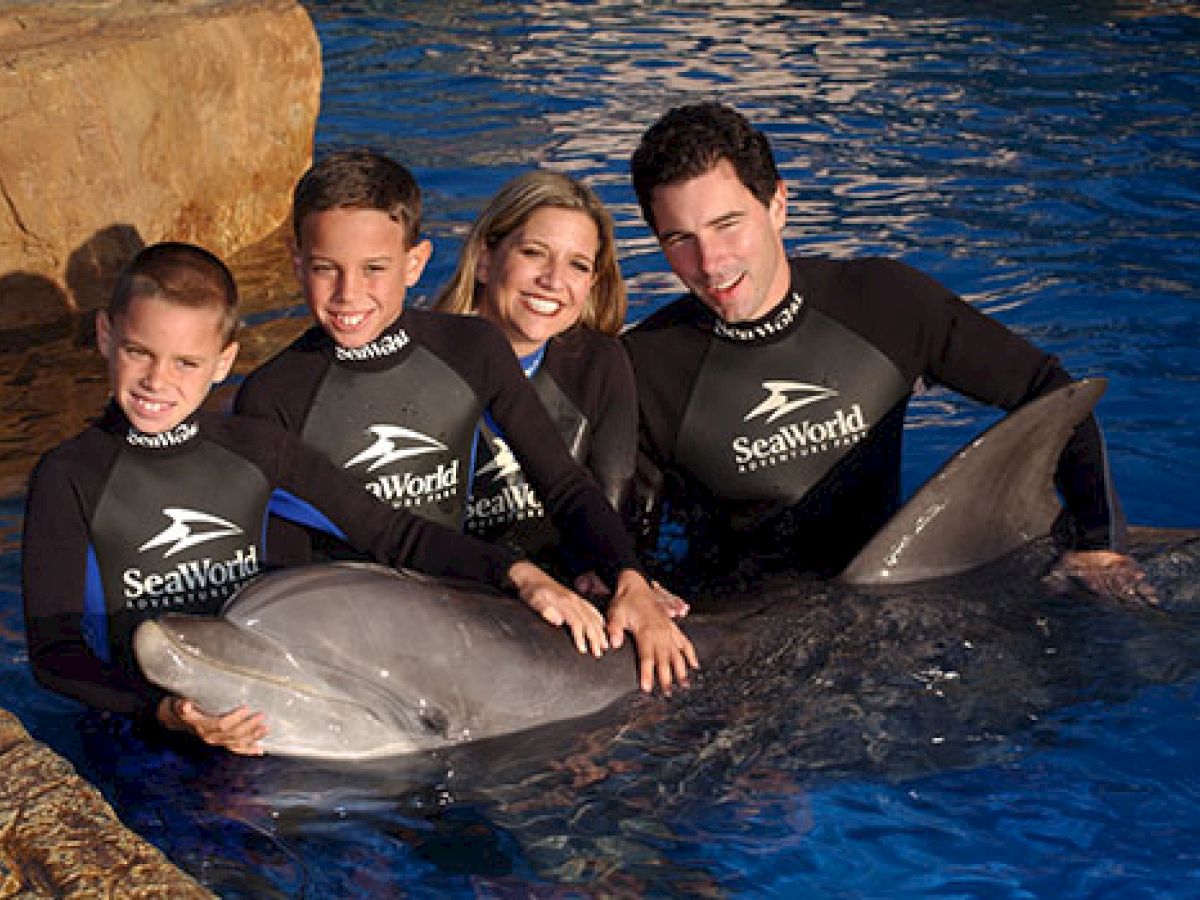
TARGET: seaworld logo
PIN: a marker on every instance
(413, 490)
(386, 449)
(380, 348)
(195, 580)
(796, 439)
(181, 534)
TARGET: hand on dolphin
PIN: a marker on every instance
(663, 650)
(240, 730)
(1104, 572)
(592, 586)
(559, 605)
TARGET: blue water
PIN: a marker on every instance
(1041, 159)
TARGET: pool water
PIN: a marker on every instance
(1039, 158)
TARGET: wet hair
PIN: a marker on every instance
(359, 179)
(180, 274)
(690, 140)
(511, 208)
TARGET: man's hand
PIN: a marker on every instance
(559, 605)
(1104, 572)
(663, 650)
(240, 731)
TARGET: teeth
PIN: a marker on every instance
(345, 321)
(727, 283)
(151, 406)
(543, 307)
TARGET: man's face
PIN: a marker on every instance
(355, 270)
(162, 360)
(724, 245)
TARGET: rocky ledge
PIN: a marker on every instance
(58, 836)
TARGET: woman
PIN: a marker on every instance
(541, 263)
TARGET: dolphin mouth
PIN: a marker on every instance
(171, 654)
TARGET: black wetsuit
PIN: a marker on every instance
(401, 415)
(121, 526)
(780, 439)
(585, 382)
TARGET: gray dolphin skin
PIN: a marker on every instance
(354, 661)
(357, 661)
(992, 497)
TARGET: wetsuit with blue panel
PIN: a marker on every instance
(584, 381)
(400, 414)
(123, 526)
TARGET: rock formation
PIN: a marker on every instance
(131, 121)
(58, 837)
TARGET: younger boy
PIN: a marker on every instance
(158, 507)
(395, 400)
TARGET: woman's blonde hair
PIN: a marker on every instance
(507, 211)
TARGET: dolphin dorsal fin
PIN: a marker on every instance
(994, 495)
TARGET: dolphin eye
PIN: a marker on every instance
(434, 720)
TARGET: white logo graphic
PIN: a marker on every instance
(385, 451)
(503, 462)
(180, 535)
(778, 403)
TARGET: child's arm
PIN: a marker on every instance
(54, 571)
(402, 539)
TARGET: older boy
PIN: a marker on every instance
(158, 507)
(395, 399)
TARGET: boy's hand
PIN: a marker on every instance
(240, 730)
(663, 650)
(559, 605)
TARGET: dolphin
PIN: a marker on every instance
(351, 661)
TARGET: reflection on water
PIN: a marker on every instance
(1040, 159)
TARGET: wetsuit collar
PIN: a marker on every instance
(771, 326)
(383, 349)
(531, 362)
(182, 434)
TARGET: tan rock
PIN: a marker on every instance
(124, 122)
(58, 837)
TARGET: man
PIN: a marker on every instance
(772, 396)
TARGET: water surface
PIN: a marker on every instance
(1041, 159)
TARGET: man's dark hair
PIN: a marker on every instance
(689, 140)
(360, 179)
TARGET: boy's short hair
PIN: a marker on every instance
(690, 140)
(359, 179)
(182, 274)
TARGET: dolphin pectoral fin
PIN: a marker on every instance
(993, 496)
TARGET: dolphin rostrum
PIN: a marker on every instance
(355, 661)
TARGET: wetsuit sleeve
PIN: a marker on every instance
(613, 447)
(391, 536)
(976, 355)
(590, 526)
(666, 352)
(54, 572)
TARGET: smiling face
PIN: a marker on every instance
(162, 359)
(537, 280)
(355, 268)
(723, 244)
